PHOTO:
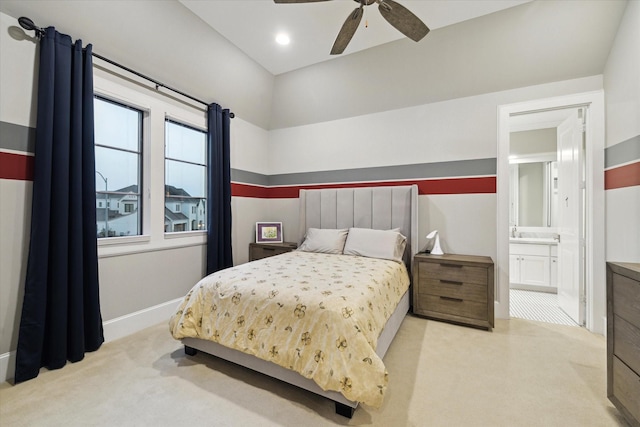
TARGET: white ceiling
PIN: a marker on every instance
(252, 25)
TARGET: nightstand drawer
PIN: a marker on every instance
(454, 272)
(454, 306)
(265, 250)
(454, 289)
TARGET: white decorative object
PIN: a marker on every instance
(434, 243)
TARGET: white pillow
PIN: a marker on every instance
(384, 244)
(324, 240)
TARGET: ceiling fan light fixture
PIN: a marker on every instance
(283, 39)
(394, 13)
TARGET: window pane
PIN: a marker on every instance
(118, 202)
(186, 144)
(184, 214)
(123, 215)
(117, 125)
(119, 168)
(187, 179)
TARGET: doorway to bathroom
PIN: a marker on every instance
(546, 200)
(551, 234)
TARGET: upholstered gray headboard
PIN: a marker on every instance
(381, 208)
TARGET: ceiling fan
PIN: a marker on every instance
(396, 14)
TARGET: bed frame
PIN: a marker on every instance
(380, 208)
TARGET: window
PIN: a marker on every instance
(118, 140)
(185, 177)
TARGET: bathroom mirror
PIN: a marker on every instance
(534, 194)
(533, 183)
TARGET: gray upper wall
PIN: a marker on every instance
(534, 43)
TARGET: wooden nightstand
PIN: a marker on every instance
(454, 288)
(264, 250)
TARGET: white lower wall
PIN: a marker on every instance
(623, 233)
(15, 218)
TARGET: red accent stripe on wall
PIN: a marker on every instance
(248, 190)
(16, 166)
(624, 176)
(427, 186)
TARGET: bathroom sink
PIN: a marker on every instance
(534, 240)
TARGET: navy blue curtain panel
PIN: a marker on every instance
(219, 255)
(61, 317)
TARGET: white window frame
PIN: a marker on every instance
(156, 108)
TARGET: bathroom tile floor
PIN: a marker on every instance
(540, 306)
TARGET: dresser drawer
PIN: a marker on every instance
(626, 299)
(626, 343)
(454, 306)
(454, 272)
(454, 289)
(626, 387)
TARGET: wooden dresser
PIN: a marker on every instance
(623, 339)
(264, 250)
(454, 288)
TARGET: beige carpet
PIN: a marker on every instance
(523, 373)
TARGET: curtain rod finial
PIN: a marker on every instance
(28, 24)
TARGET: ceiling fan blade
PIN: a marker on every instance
(347, 31)
(403, 20)
(297, 1)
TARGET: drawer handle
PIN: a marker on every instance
(452, 265)
(451, 282)
(452, 299)
(269, 249)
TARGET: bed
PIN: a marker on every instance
(316, 318)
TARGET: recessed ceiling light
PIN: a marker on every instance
(282, 39)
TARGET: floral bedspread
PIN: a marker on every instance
(317, 314)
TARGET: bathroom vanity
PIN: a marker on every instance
(533, 264)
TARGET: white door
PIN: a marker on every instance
(570, 216)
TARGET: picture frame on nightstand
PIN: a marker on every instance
(268, 232)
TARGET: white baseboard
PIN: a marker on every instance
(139, 320)
(7, 365)
(113, 329)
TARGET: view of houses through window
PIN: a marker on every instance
(185, 178)
(118, 142)
(118, 145)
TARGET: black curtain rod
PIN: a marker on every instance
(28, 24)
